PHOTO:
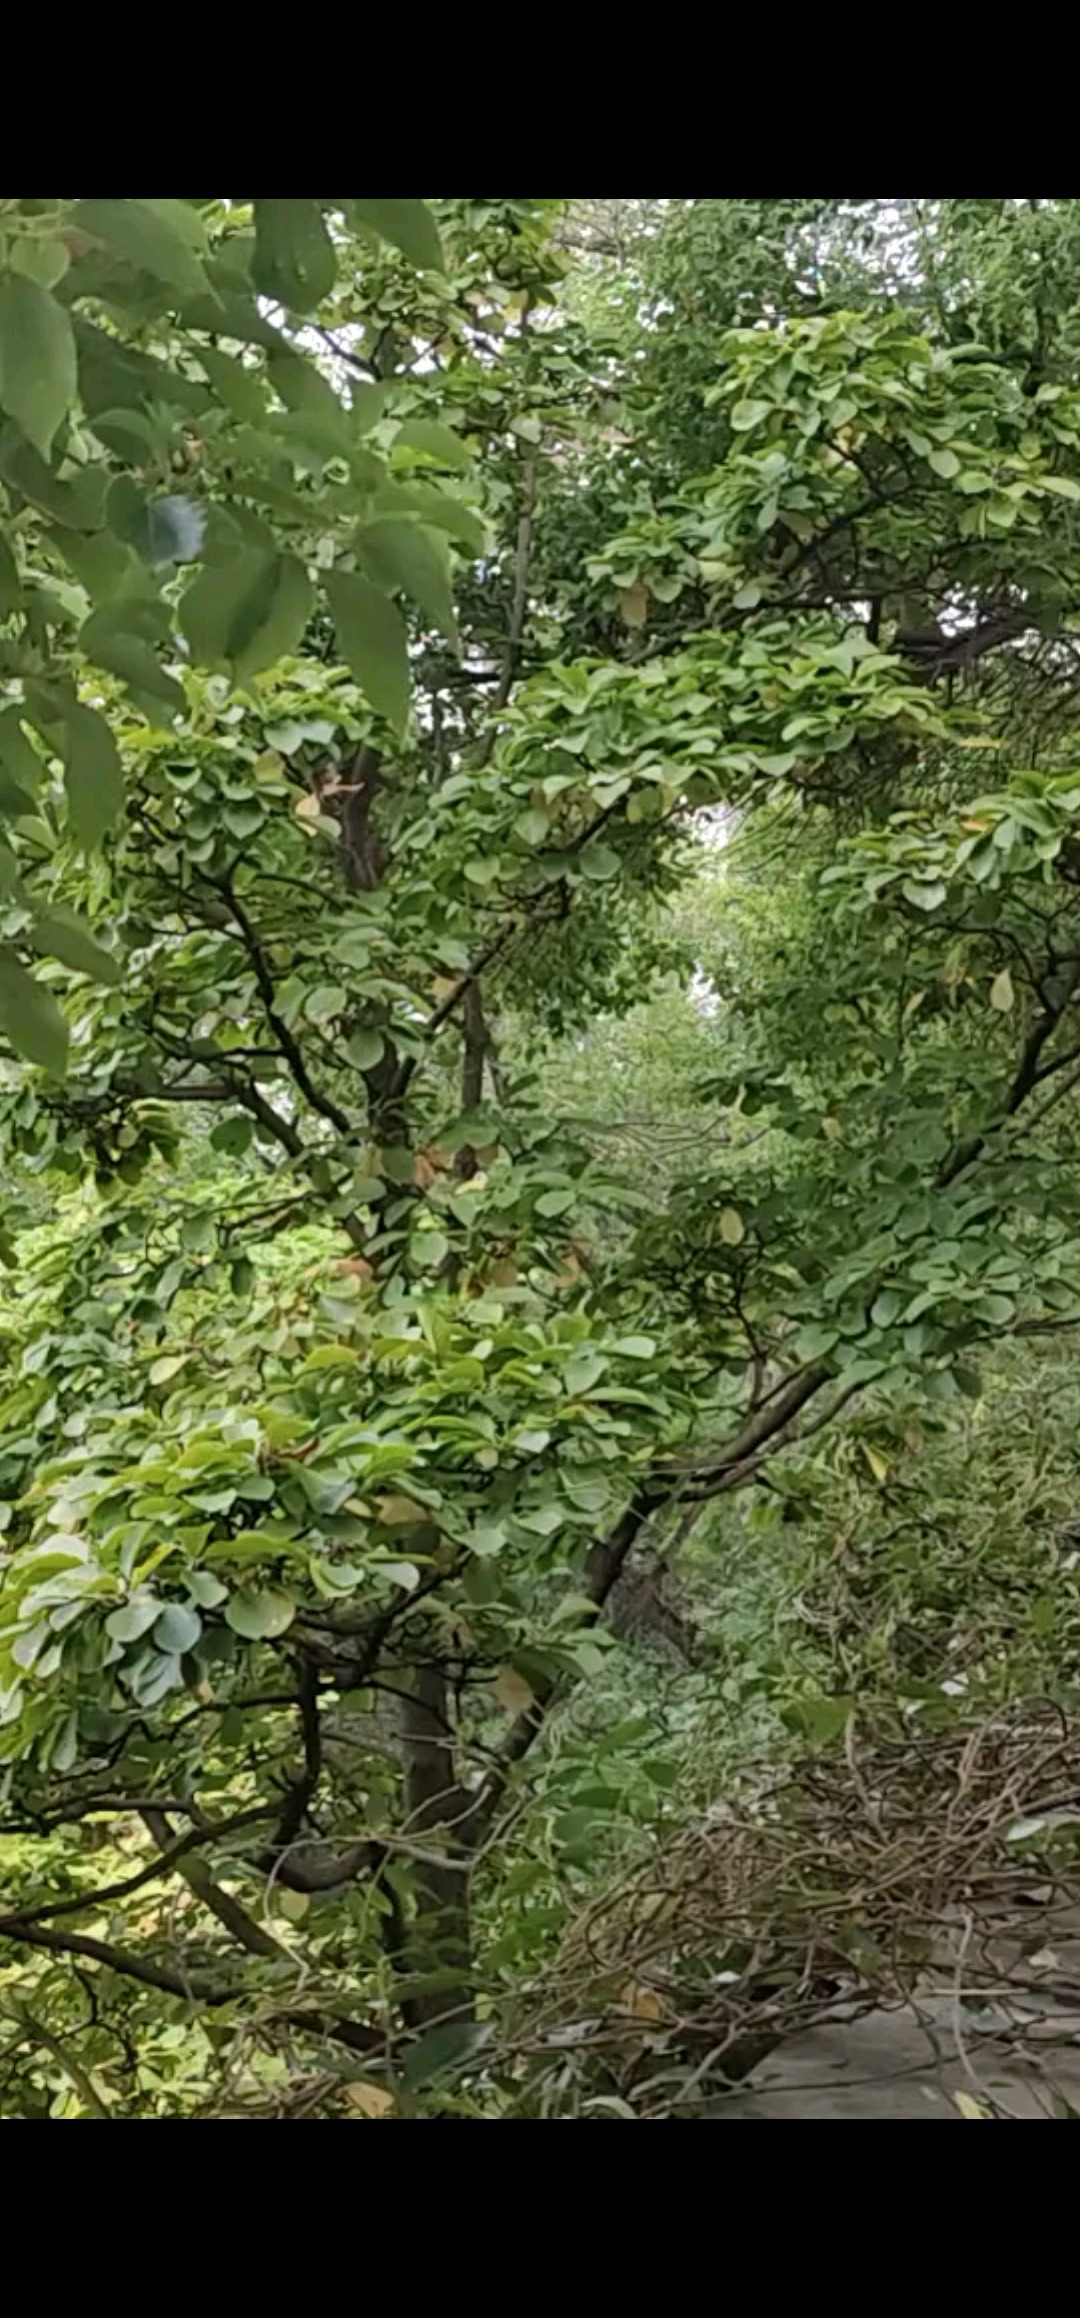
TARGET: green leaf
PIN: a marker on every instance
(137, 665)
(373, 643)
(532, 825)
(365, 1048)
(260, 1617)
(486, 1540)
(555, 1202)
(45, 262)
(821, 1718)
(134, 1619)
(944, 463)
(885, 1307)
(154, 236)
(444, 2050)
(436, 441)
(1063, 485)
(248, 613)
(177, 1629)
(155, 1677)
(30, 1018)
(11, 594)
(92, 775)
(598, 861)
(446, 513)
(294, 255)
(17, 755)
(236, 385)
(403, 555)
(409, 225)
(78, 504)
(58, 933)
(305, 391)
(997, 1311)
(926, 896)
(431, 1249)
(748, 414)
(38, 379)
(206, 1590)
(233, 1134)
(583, 1371)
(15, 804)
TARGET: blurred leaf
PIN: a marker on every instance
(30, 1018)
(92, 775)
(294, 255)
(409, 225)
(157, 237)
(403, 555)
(373, 643)
(37, 360)
(247, 613)
(58, 933)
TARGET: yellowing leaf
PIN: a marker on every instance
(396, 1510)
(634, 605)
(512, 1690)
(832, 1130)
(967, 2106)
(731, 1226)
(879, 1465)
(1002, 994)
(293, 1905)
(644, 2003)
(370, 2100)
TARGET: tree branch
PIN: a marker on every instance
(15, 1923)
(264, 980)
(221, 1904)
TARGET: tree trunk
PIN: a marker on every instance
(440, 1938)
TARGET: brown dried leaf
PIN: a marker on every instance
(644, 2003)
(370, 2100)
(512, 1690)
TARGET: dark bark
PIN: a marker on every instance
(436, 1806)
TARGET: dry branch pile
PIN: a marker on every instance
(934, 1869)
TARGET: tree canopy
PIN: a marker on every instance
(538, 997)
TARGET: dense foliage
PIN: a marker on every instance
(539, 986)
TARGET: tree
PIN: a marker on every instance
(336, 1384)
